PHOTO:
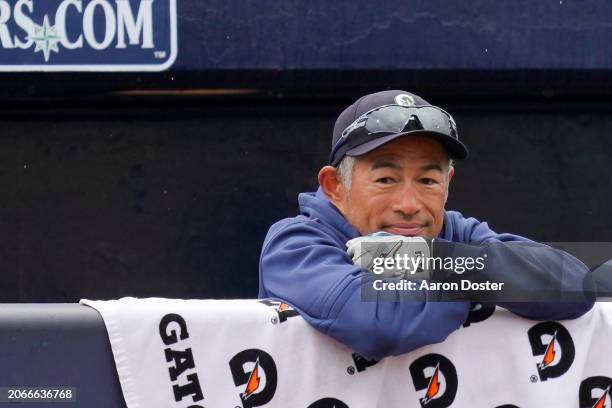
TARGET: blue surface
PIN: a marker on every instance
(318, 48)
(58, 345)
(429, 35)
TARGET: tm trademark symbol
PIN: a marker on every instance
(350, 370)
(533, 378)
(159, 54)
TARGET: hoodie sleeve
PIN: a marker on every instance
(528, 268)
(308, 268)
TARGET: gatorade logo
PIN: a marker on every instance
(596, 392)
(182, 370)
(361, 363)
(437, 376)
(553, 343)
(283, 310)
(254, 372)
(479, 312)
(328, 403)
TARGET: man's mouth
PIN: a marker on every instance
(407, 229)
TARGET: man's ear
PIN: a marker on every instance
(332, 186)
(451, 173)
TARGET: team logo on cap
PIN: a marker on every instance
(553, 342)
(438, 376)
(404, 100)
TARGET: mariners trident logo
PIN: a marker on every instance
(87, 35)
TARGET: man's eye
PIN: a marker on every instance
(428, 181)
(385, 180)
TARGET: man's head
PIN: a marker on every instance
(391, 164)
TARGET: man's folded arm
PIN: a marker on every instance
(309, 269)
(536, 270)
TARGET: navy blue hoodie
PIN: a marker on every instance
(304, 263)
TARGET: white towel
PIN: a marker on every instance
(249, 353)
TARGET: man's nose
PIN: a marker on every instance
(408, 200)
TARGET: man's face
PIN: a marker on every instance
(400, 188)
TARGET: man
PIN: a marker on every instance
(389, 170)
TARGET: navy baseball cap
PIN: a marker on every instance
(381, 117)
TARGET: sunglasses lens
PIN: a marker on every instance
(395, 119)
(389, 119)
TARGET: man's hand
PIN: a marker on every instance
(408, 254)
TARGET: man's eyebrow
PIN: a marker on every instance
(432, 166)
(385, 163)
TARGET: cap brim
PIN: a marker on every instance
(455, 148)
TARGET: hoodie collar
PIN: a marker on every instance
(317, 206)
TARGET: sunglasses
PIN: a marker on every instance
(391, 119)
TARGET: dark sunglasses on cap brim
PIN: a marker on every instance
(392, 119)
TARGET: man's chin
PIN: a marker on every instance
(407, 232)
